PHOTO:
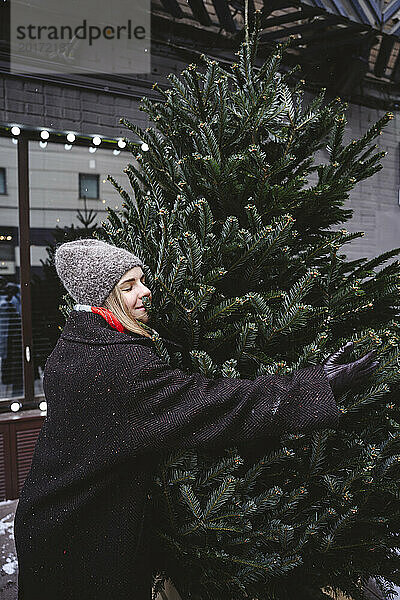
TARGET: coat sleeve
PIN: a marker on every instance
(170, 409)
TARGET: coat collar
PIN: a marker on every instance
(90, 328)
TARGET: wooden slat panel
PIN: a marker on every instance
(6, 488)
(19, 433)
(3, 469)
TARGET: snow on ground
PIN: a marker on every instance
(8, 556)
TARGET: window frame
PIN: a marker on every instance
(28, 134)
(97, 176)
(4, 171)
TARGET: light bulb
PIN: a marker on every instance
(15, 130)
(15, 406)
(44, 134)
(144, 147)
(121, 143)
(71, 137)
(96, 140)
(43, 405)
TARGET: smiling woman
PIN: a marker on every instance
(125, 301)
(106, 280)
(133, 288)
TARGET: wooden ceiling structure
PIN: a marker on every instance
(348, 46)
(351, 47)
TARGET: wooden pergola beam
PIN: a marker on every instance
(200, 12)
(331, 39)
(395, 76)
(385, 51)
(173, 8)
(287, 31)
(224, 15)
(298, 15)
(355, 66)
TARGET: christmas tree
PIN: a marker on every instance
(234, 218)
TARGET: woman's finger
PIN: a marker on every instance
(346, 348)
(364, 373)
(338, 355)
(367, 358)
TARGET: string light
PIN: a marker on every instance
(71, 137)
(144, 147)
(15, 406)
(43, 405)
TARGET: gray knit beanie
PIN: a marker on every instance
(89, 269)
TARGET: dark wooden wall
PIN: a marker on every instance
(18, 435)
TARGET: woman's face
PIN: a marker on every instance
(133, 289)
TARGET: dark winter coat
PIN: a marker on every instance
(113, 408)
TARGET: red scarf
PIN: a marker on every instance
(109, 317)
(103, 312)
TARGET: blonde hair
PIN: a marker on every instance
(115, 303)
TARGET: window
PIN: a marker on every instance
(46, 176)
(3, 186)
(88, 185)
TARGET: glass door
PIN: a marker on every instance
(11, 352)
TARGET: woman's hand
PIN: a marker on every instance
(344, 376)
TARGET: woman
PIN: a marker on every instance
(113, 407)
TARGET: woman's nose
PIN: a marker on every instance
(146, 292)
